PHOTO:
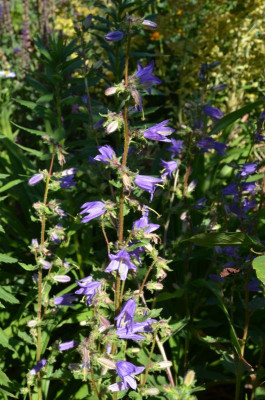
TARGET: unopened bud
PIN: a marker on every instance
(192, 185)
(149, 24)
(154, 286)
(32, 323)
(126, 181)
(161, 275)
(135, 350)
(107, 363)
(62, 278)
(110, 91)
(189, 378)
(112, 127)
(151, 392)
(165, 364)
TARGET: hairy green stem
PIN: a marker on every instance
(146, 276)
(149, 360)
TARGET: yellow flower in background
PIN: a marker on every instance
(155, 36)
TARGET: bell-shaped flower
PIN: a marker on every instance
(106, 154)
(126, 316)
(114, 36)
(38, 367)
(144, 74)
(212, 112)
(126, 372)
(88, 288)
(159, 132)
(169, 167)
(132, 331)
(35, 179)
(93, 209)
(64, 300)
(120, 262)
(176, 147)
(147, 183)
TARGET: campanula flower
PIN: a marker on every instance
(126, 372)
(169, 167)
(208, 143)
(176, 147)
(106, 154)
(120, 262)
(144, 224)
(126, 316)
(159, 132)
(147, 183)
(35, 179)
(230, 189)
(67, 345)
(93, 209)
(62, 278)
(212, 112)
(144, 74)
(200, 203)
(149, 24)
(88, 288)
(114, 36)
(64, 300)
(38, 367)
(132, 331)
(67, 182)
(248, 169)
(249, 187)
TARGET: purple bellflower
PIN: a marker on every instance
(176, 146)
(93, 209)
(120, 262)
(135, 328)
(35, 179)
(199, 205)
(67, 181)
(230, 190)
(88, 288)
(106, 154)
(147, 183)
(248, 169)
(249, 187)
(169, 167)
(67, 345)
(143, 224)
(38, 367)
(159, 132)
(212, 112)
(126, 372)
(208, 143)
(126, 316)
(114, 36)
(144, 74)
(65, 300)
(149, 24)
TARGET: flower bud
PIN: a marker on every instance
(189, 378)
(151, 392)
(32, 323)
(149, 24)
(164, 364)
(112, 127)
(62, 278)
(105, 362)
(45, 264)
(154, 286)
(110, 91)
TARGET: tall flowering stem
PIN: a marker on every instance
(39, 314)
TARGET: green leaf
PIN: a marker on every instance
(9, 185)
(4, 380)
(25, 103)
(32, 131)
(5, 295)
(118, 185)
(259, 267)
(234, 116)
(7, 259)
(4, 341)
(4, 392)
(2, 229)
(212, 239)
(28, 267)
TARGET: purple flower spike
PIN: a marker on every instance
(120, 262)
(169, 166)
(126, 316)
(248, 169)
(144, 74)
(38, 367)
(93, 209)
(106, 154)
(35, 179)
(176, 147)
(88, 288)
(212, 112)
(147, 183)
(67, 345)
(126, 372)
(65, 300)
(114, 36)
(159, 132)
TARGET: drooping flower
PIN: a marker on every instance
(131, 331)
(200, 203)
(212, 112)
(67, 182)
(67, 345)
(144, 224)
(147, 183)
(88, 288)
(93, 209)
(38, 367)
(120, 262)
(248, 169)
(64, 300)
(126, 372)
(106, 154)
(230, 189)
(144, 74)
(35, 179)
(176, 146)
(169, 166)
(249, 187)
(114, 36)
(209, 143)
(159, 132)
(126, 316)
